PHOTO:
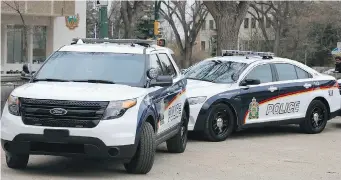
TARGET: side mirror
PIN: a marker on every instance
(26, 72)
(152, 73)
(247, 82)
(162, 81)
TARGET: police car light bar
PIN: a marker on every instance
(117, 41)
(265, 55)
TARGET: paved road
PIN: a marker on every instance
(280, 153)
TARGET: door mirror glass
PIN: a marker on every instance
(247, 82)
(26, 72)
(152, 73)
(162, 81)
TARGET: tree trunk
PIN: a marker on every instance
(227, 34)
(277, 40)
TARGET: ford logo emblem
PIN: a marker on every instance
(58, 111)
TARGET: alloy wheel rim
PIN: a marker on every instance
(220, 122)
(317, 117)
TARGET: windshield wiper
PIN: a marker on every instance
(95, 81)
(199, 79)
(50, 79)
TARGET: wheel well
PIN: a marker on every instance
(150, 120)
(232, 109)
(325, 102)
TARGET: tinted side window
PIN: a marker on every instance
(155, 63)
(262, 72)
(302, 74)
(167, 65)
(286, 72)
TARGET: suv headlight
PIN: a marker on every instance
(196, 100)
(13, 105)
(116, 109)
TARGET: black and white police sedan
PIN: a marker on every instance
(245, 89)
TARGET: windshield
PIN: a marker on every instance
(215, 71)
(99, 67)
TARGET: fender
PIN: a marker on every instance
(146, 110)
(228, 97)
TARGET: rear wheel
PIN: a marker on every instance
(178, 143)
(316, 118)
(220, 123)
(143, 159)
(16, 161)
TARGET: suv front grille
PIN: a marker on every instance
(80, 114)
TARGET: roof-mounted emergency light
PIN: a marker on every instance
(141, 42)
(265, 55)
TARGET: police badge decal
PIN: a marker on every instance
(254, 109)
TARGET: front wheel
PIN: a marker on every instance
(143, 159)
(316, 118)
(177, 144)
(220, 123)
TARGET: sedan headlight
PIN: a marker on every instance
(196, 100)
(13, 105)
(116, 109)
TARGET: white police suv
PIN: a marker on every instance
(115, 99)
(245, 89)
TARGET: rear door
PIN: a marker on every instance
(294, 86)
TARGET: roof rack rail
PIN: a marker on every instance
(142, 42)
(265, 55)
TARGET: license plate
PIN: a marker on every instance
(56, 133)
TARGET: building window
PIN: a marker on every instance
(246, 23)
(203, 48)
(203, 27)
(211, 24)
(16, 50)
(268, 23)
(253, 23)
(39, 44)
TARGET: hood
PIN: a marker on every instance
(78, 91)
(203, 88)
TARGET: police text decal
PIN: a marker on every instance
(283, 108)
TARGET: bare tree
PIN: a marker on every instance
(15, 6)
(131, 11)
(115, 20)
(191, 18)
(277, 14)
(228, 16)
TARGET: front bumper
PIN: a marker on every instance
(194, 112)
(72, 146)
(115, 132)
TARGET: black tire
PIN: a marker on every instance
(178, 143)
(311, 125)
(227, 118)
(143, 160)
(16, 161)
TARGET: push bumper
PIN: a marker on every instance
(70, 146)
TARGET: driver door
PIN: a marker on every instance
(256, 98)
(166, 99)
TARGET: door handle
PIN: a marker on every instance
(306, 85)
(272, 89)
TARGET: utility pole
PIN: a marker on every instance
(103, 11)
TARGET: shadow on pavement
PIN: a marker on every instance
(337, 125)
(254, 132)
(74, 167)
